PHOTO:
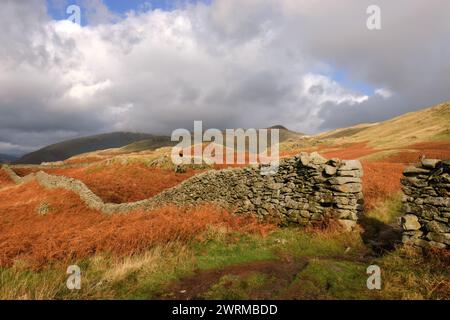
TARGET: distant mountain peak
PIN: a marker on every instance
(5, 158)
(63, 150)
(278, 126)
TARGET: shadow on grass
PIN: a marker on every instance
(381, 237)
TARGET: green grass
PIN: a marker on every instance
(321, 244)
(102, 276)
(16, 283)
(335, 269)
(388, 211)
(444, 135)
(331, 279)
(408, 274)
(232, 287)
(224, 252)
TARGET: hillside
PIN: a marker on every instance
(163, 141)
(123, 142)
(66, 149)
(7, 158)
(430, 124)
(148, 144)
(401, 139)
(286, 134)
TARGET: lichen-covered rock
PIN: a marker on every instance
(426, 202)
(439, 237)
(439, 227)
(350, 165)
(429, 163)
(330, 170)
(411, 170)
(350, 173)
(348, 188)
(317, 158)
(344, 180)
(410, 222)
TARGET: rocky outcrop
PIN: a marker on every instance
(306, 189)
(426, 199)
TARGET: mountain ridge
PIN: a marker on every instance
(65, 149)
(427, 124)
(5, 158)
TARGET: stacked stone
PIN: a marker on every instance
(337, 188)
(426, 199)
(306, 189)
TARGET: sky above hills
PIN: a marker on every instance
(154, 66)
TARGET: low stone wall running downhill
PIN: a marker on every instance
(426, 200)
(306, 189)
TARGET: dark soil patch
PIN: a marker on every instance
(283, 272)
(381, 237)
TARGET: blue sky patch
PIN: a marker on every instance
(342, 78)
(57, 8)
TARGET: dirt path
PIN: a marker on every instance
(193, 287)
(281, 274)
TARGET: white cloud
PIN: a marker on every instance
(385, 93)
(321, 89)
(231, 64)
(84, 91)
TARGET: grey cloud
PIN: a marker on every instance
(409, 55)
(231, 64)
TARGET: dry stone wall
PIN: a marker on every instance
(426, 189)
(306, 189)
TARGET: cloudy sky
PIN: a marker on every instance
(154, 66)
